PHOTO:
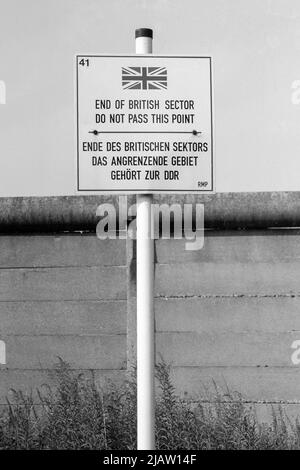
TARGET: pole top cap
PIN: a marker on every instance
(144, 32)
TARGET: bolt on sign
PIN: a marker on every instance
(144, 124)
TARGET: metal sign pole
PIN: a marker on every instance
(145, 304)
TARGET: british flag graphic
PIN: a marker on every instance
(144, 78)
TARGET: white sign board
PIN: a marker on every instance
(144, 124)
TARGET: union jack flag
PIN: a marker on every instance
(144, 78)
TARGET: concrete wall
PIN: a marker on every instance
(222, 210)
(228, 313)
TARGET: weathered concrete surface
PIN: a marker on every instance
(67, 283)
(245, 210)
(265, 411)
(89, 317)
(226, 349)
(222, 313)
(228, 279)
(222, 210)
(244, 246)
(30, 380)
(50, 213)
(61, 296)
(131, 303)
(260, 385)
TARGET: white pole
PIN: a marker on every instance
(145, 307)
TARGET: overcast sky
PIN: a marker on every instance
(255, 45)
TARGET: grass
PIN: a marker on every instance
(77, 414)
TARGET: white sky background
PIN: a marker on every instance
(255, 45)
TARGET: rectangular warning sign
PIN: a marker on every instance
(144, 124)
